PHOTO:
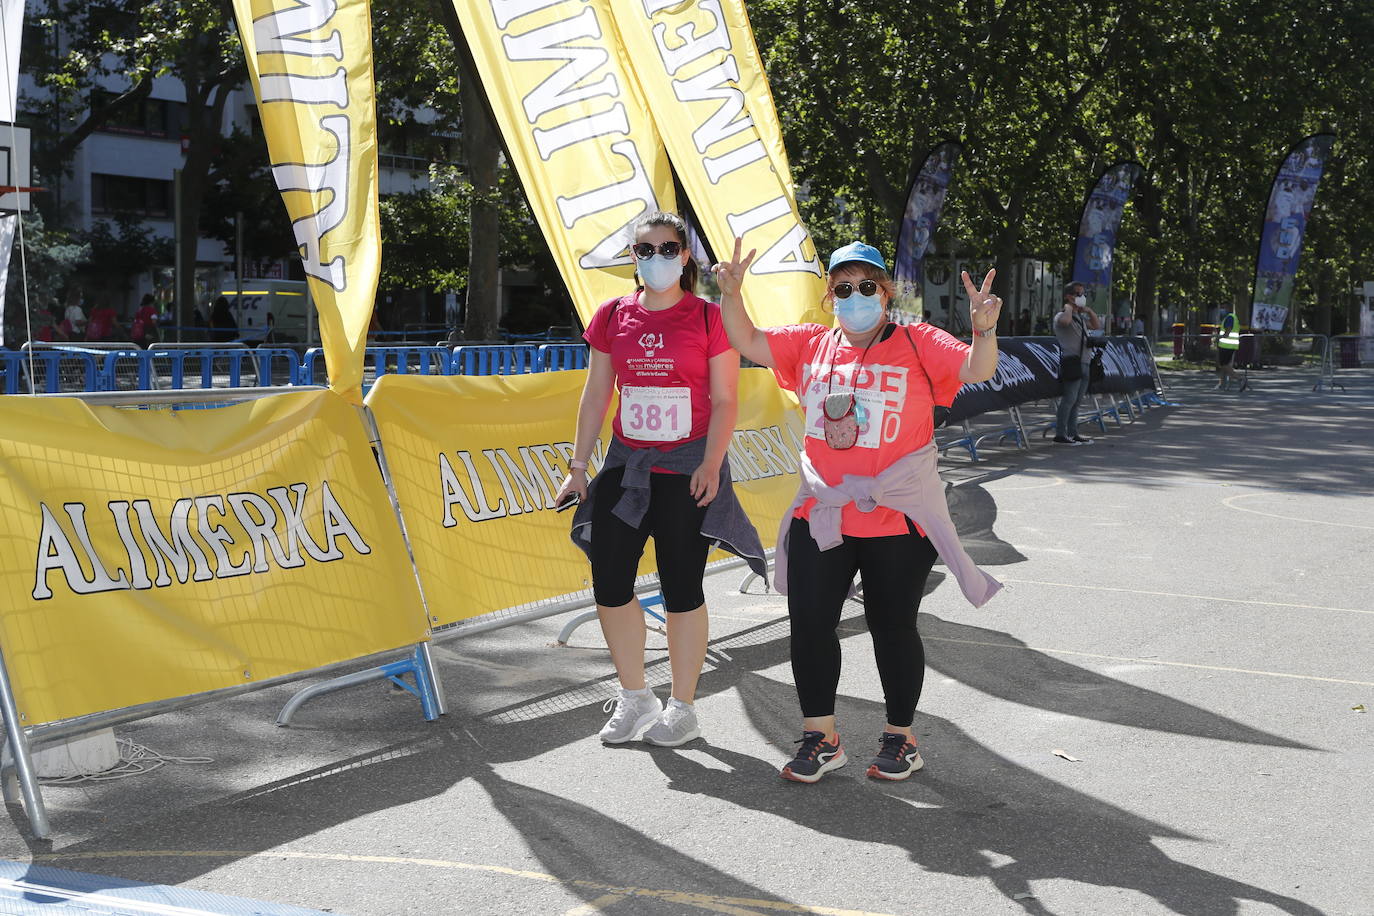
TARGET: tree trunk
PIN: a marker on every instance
(203, 122)
(482, 150)
(1147, 278)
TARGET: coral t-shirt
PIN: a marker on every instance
(662, 367)
(896, 388)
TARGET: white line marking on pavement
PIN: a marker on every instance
(1139, 591)
(1149, 661)
(1230, 503)
(689, 899)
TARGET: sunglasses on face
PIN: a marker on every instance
(645, 250)
(846, 289)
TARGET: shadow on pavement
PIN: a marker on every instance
(969, 810)
(1002, 666)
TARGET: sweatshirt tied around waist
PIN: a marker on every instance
(909, 485)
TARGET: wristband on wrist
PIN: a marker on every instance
(577, 465)
(987, 333)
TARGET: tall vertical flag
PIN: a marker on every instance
(577, 130)
(1097, 229)
(1285, 224)
(925, 203)
(12, 25)
(703, 78)
(311, 65)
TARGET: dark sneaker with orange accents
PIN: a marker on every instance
(814, 758)
(897, 758)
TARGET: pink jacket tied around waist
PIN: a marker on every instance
(909, 485)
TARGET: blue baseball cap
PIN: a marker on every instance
(857, 251)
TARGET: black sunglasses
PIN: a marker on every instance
(846, 289)
(645, 250)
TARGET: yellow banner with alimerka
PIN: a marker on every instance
(577, 129)
(476, 463)
(152, 554)
(699, 69)
(311, 66)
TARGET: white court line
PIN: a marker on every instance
(1054, 482)
(1229, 502)
(1150, 661)
(1139, 591)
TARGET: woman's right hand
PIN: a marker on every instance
(575, 482)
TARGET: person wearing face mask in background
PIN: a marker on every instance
(1071, 327)
(665, 474)
(871, 502)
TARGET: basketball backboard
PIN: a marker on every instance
(15, 174)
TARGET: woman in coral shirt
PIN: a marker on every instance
(870, 502)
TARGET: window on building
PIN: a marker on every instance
(158, 118)
(138, 196)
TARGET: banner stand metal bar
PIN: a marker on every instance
(17, 746)
(420, 663)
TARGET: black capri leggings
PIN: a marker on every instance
(894, 571)
(674, 520)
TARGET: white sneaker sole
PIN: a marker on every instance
(834, 763)
(656, 742)
(649, 718)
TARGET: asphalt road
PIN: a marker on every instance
(1159, 715)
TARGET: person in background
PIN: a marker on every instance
(74, 315)
(1071, 327)
(143, 328)
(1228, 342)
(871, 502)
(103, 323)
(1023, 324)
(1138, 327)
(665, 474)
(223, 326)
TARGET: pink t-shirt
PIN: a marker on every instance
(896, 389)
(662, 368)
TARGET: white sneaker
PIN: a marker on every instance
(633, 711)
(676, 726)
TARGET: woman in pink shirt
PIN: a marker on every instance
(870, 501)
(665, 473)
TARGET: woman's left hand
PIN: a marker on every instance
(983, 306)
(705, 483)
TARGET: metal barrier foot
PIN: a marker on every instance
(645, 602)
(419, 664)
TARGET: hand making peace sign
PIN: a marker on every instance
(730, 274)
(983, 306)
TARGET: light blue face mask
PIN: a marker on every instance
(859, 314)
(661, 273)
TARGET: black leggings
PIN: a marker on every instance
(894, 573)
(674, 519)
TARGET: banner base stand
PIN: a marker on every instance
(419, 664)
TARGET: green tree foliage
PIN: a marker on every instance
(50, 259)
(1044, 95)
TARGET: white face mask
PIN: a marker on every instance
(1080, 301)
(661, 273)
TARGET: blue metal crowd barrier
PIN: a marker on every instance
(553, 357)
(69, 369)
(382, 361)
(166, 368)
(479, 359)
(75, 369)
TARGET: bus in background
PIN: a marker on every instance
(273, 312)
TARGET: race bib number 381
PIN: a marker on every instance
(655, 414)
